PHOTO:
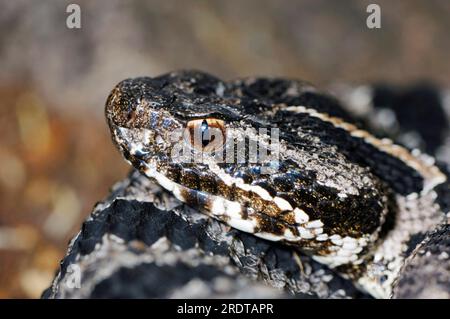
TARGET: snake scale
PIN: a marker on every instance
(287, 163)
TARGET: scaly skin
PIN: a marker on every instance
(349, 199)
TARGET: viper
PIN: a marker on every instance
(281, 160)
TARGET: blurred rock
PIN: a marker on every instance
(319, 40)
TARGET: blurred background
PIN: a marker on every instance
(56, 157)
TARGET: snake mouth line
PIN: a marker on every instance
(333, 250)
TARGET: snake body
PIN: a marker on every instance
(354, 201)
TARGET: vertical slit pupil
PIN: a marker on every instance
(205, 133)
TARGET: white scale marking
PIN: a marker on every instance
(300, 216)
(245, 225)
(314, 224)
(415, 159)
(269, 236)
(305, 233)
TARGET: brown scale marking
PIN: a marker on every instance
(172, 172)
(189, 179)
(208, 183)
(288, 217)
(336, 215)
(271, 209)
(265, 207)
(189, 198)
(232, 193)
(257, 204)
(244, 196)
(270, 225)
(223, 189)
(192, 199)
(208, 205)
(132, 116)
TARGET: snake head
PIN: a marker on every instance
(161, 120)
(286, 185)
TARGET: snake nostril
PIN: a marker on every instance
(129, 104)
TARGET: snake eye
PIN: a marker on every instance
(206, 135)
